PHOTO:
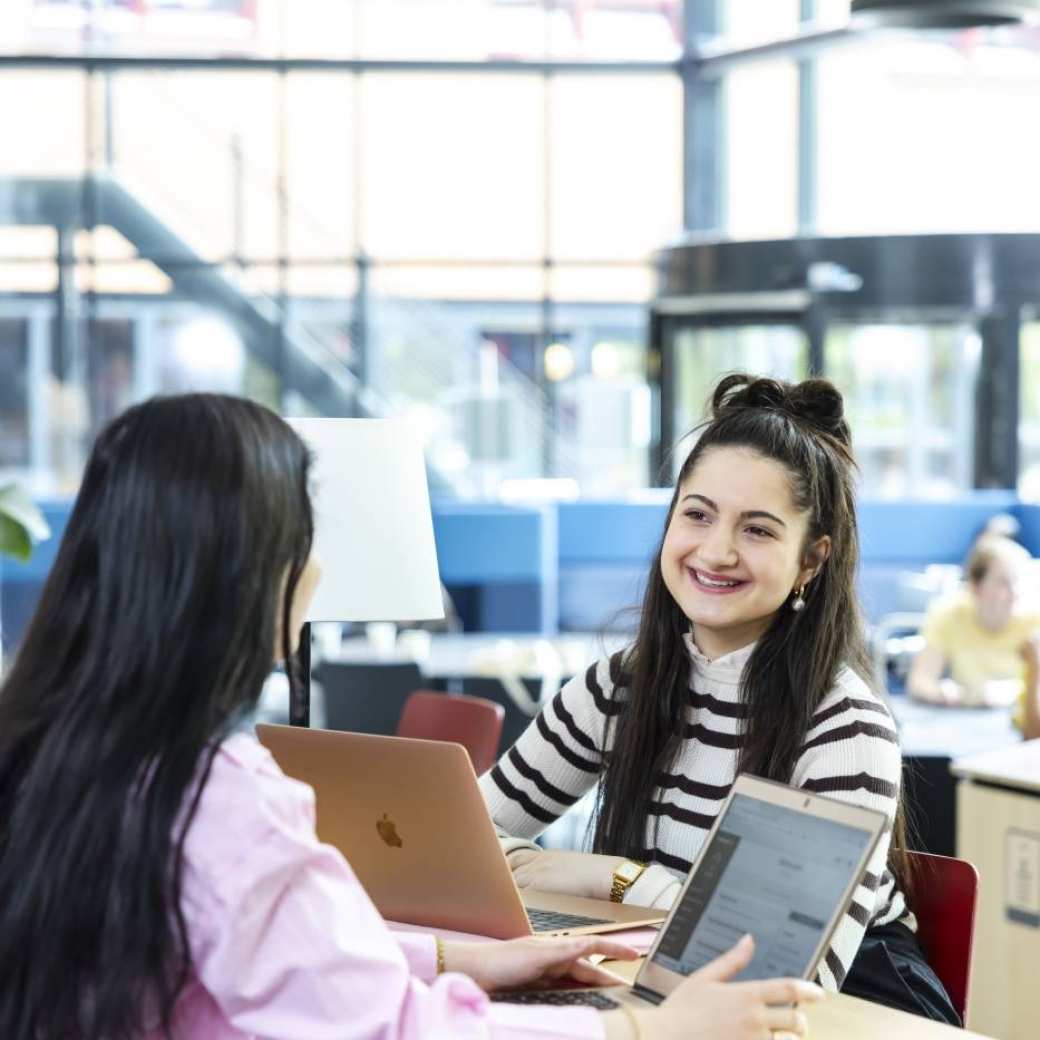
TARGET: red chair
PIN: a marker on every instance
(944, 894)
(473, 722)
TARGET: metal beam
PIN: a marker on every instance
(59, 202)
(997, 399)
(87, 62)
(717, 59)
(704, 132)
(808, 143)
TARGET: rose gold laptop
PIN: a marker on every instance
(409, 817)
(779, 863)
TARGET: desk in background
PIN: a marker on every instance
(998, 829)
(467, 655)
(473, 664)
(931, 737)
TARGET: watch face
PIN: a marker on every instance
(629, 871)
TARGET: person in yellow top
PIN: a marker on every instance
(979, 644)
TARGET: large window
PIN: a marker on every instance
(415, 30)
(702, 354)
(909, 400)
(762, 150)
(14, 395)
(825, 129)
(1029, 412)
(928, 135)
(378, 223)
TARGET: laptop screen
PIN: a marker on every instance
(771, 871)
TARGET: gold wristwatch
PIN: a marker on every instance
(624, 876)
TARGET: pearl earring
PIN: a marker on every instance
(798, 603)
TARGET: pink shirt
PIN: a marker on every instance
(286, 944)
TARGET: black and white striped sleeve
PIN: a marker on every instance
(851, 753)
(557, 758)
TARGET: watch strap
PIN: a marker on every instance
(620, 885)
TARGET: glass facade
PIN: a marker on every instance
(384, 30)
(909, 392)
(450, 209)
(928, 135)
(702, 353)
(384, 217)
(856, 134)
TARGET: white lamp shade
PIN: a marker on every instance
(372, 524)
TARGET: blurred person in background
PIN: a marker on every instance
(978, 642)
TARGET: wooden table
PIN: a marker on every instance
(998, 829)
(838, 1017)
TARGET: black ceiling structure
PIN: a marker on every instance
(989, 280)
(942, 14)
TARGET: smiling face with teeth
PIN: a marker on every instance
(735, 547)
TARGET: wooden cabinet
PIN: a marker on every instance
(998, 829)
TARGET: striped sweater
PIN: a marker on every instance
(851, 752)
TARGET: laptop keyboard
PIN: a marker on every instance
(552, 921)
(559, 997)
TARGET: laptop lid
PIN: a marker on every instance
(409, 817)
(780, 863)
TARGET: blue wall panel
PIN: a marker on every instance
(511, 553)
(917, 533)
(579, 565)
(611, 532)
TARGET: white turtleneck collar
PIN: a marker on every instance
(726, 669)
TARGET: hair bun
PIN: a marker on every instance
(817, 402)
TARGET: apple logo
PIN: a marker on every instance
(388, 832)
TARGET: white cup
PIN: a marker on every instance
(381, 635)
(414, 643)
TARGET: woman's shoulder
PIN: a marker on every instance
(604, 682)
(250, 836)
(245, 799)
(853, 704)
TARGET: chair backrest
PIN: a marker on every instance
(473, 722)
(944, 896)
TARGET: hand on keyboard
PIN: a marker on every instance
(535, 961)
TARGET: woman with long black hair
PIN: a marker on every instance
(159, 876)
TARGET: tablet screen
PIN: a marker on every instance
(772, 871)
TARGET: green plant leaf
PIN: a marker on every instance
(21, 523)
(14, 539)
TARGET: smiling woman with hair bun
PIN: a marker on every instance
(749, 657)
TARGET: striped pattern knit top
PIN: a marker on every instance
(851, 752)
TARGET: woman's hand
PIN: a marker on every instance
(926, 683)
(536, 961)
(570, 873)
(706, 1006)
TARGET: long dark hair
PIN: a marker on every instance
(154, 634)
(796, 661)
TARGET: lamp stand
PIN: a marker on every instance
(300, 706)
